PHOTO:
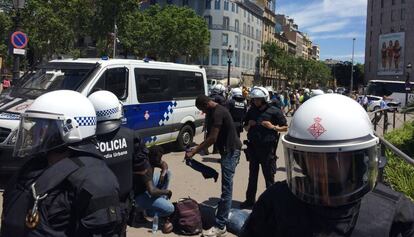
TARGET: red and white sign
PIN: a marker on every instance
(316, 129)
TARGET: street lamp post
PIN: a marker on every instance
(407, 85)
(17, 5)
(229, 56)
(352, 68)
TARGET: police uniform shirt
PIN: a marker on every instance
(259, 134)
(382, 212)
(118, 149)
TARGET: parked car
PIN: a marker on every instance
(374, 103)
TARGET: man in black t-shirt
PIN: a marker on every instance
(224, 135)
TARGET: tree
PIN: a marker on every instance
(5, 29)
(343, 74)
(165, 33)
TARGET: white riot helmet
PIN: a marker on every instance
(316, 92)
(331, 151)
(237, 93)
(108, 111)
(259, 93)
(54, 120)
(218, 89)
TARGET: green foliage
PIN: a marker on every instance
(296, 70)
(399, 173)
(165, 33)
(5, 29)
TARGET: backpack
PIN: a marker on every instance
(187, 217)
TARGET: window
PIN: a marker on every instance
(244, 12)
(152, 85)
(243, 60)
(214, 57)
(369, 67)
(236, 59)
(370, 35)
(209, 20)
(237, 9)
(252, 32)
(248, 17)
(226, 5)
(206, 59)
(402, 28)
(403, 14)
(189, 84)
(248, 30)
(224, 39)
(381, 18)
(393, 2)
(370, 51)
(244, 28)
(258, 49)
(236, 42)
(248, 45)
(392, 15)
(244, 43)
(224, 57)
(217, 4)
(402, 1)
(233, 7)
(185, 2)
(114, 80)
(236, 25)
(251, 48)
(392, 30)
(382, 3)
(208, 4)
(226, 23)
(257, 34)
(372, 20)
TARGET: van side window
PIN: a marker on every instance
(114, 80)
(190, 84)
(152, 85)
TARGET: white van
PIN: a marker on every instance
(158, 98)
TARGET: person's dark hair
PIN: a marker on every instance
(202, 101)
(155, 154)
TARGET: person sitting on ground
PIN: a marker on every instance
(151, 189)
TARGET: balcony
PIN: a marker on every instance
(231, 28)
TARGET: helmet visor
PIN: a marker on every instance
(38, 135)
(331, 179)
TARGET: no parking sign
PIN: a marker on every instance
(19, 40)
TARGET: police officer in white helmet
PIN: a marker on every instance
(237, 107)
(125, 153)
(331, 157)
(263, 124)
(65, 188)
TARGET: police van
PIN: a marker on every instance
(158, 98)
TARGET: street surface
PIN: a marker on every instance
(186, 182)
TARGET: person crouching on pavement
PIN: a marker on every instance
(151, 189)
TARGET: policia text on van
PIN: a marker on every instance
(158, 98)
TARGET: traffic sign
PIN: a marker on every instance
(19, 51)
(19, 40)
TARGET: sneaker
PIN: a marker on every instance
(215, 232)
(247, 205)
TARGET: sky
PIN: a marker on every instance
(331, 24)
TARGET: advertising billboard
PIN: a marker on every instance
(391, 50)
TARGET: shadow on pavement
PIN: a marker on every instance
(208, 211)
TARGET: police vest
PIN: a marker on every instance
(57, 212)
(237, 110)
(118, 150)
(259, 135)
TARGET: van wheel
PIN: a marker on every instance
(185, 137)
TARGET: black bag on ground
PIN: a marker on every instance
(187, 217)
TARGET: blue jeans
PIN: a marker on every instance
(229, 162)
(161, 205)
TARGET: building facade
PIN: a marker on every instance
(389, 39)
(236, 23)
(316, 52)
